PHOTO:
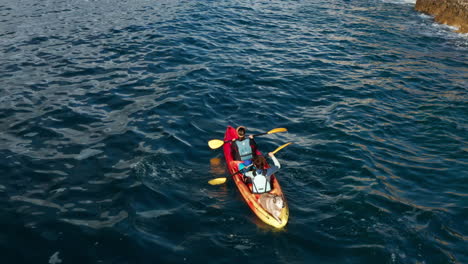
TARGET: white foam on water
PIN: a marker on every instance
(449, 32)
(424, 16)
(408, 1)
(444, 27)
(434, 29)
(412, 2)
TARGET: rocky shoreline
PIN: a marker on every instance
(449, 12)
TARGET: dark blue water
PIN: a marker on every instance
(106, 108)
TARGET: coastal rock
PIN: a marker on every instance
(450, 12)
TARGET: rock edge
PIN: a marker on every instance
(449, 12)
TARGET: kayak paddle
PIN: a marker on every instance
(217, 143)
(281, 147)
(222, 180)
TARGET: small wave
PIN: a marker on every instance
(86, 153)
(38, 202)
(107, 220)
(159, 170)
(154, 214)
(54, 259)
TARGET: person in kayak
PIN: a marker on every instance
(243, 149)
(259, 176)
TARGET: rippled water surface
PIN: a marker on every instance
(106, 108)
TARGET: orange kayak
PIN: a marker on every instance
(253, 200)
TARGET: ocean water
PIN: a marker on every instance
(106, 108)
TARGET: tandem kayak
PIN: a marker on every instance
(253, 200)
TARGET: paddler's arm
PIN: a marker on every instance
(253, 146)
(276, 165)
(275, 161)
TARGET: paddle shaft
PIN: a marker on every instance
(276, 130)
(217, 143)
(261, 134)
(251, 164)
(223, 180)
(256, 135)
(274, 152)
(240, 170)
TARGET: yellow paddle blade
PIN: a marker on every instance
(215, 143)
(217, 181)
(281, 147)
(277, 130)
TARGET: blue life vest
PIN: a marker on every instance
(245, 151)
